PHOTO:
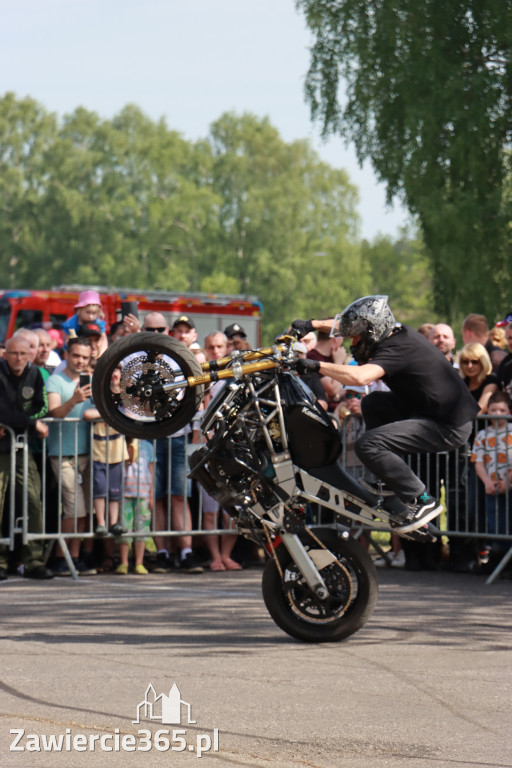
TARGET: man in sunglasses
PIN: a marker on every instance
(156, 323)
(170, 479)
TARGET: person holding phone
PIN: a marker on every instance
(68, 397)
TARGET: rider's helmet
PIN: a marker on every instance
(370, 318)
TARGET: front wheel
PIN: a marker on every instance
(153, 398)
(351, 581)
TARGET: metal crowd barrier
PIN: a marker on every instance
(449, 475)
(12, 526)
(52, 497)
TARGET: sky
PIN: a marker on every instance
(186, 60)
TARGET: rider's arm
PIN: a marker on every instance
(323, 325)
(356, 375)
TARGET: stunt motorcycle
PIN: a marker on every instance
(269, 458)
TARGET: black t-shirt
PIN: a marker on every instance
(490, 379)
(505, 370)
(424, 381)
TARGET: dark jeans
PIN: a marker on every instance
(391, 434)
(32, 553)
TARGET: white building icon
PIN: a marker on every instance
(169, 706)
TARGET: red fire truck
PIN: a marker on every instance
(210, 312)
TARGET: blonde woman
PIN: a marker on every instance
(476, 370)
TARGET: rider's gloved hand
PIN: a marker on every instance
(302, 327)
(307, 366)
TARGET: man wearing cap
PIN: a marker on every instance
(184, 329)
(96, 338)
(237, 337)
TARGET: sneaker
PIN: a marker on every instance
(122, 570)
(162, 563)
(61, 568)
(101, 531)
(82, 569)
(484, 555)
(39, 572)
(116, 529)
(421, 511)
(140, 570)
(394, 560)
(191, 564)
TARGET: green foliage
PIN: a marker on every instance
(129, 202)
(401, 270)
(428, 100)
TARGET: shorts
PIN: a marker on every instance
(171, 471)
(99, 480)
(135, 516)
(71, 481)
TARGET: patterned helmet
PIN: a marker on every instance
(370, 318)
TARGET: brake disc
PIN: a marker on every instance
(140, 376)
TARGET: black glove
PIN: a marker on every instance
(307, 366)
(302, 327)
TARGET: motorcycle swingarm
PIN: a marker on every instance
(318, 491)
(341, 502)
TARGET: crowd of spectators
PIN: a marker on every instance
(139, 486)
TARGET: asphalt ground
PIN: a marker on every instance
(427, 683)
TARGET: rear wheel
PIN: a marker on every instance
(351, 581)
(143, 407)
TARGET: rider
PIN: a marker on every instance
(428, 407)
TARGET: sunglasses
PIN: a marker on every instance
(469, 362)
(356, 395)
(160, 329)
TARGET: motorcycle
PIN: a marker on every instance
(270, 457)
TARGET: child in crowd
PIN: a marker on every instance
(137, 505)
(492, 455)
(108, 453)
(88, 310)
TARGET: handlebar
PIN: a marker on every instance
(240, 365)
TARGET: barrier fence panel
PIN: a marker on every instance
(470, 513)
(10, 525)
(178, 510)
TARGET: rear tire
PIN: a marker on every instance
(142, 409)
(352, 584)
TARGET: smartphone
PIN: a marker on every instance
(129, 308)
(85, 379)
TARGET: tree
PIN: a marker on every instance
(287, 222)
(429, 102)
(401, 270)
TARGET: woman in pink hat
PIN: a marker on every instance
(88, 310)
